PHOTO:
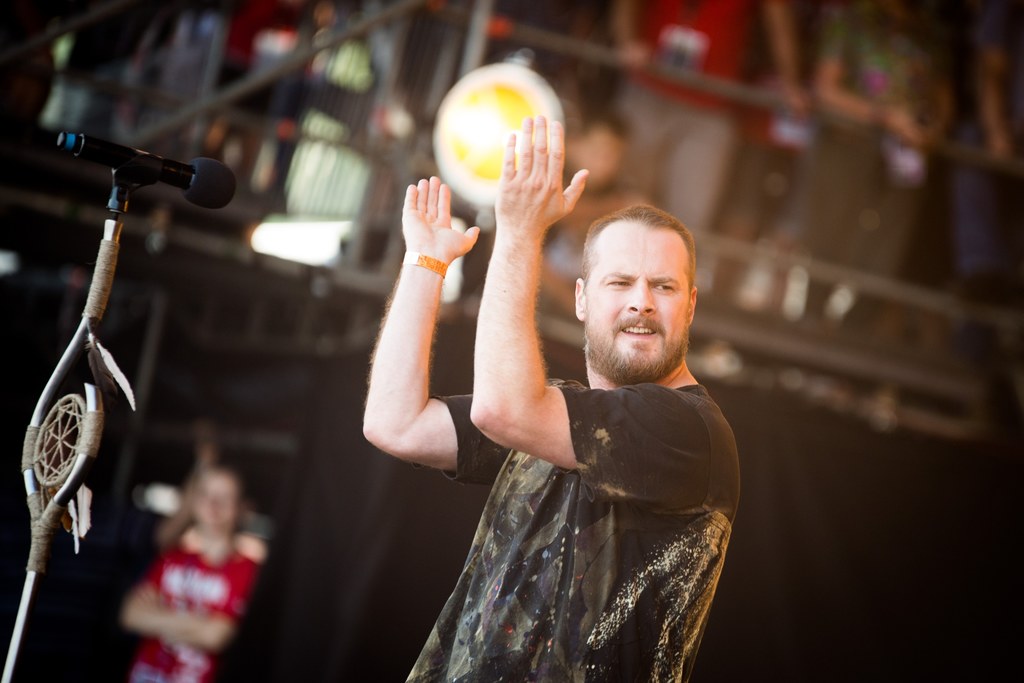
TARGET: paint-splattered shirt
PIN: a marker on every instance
(603, 573)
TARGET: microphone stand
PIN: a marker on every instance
(127, 178)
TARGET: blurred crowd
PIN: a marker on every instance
(843, 165)
(845, 169)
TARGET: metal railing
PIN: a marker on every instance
(389, 163)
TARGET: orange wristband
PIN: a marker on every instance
(414, 258)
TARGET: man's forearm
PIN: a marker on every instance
(509, 368)
(512, 403)
(400, 417)
(400, 370)
(209, 632)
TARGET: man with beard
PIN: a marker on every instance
(600, 546)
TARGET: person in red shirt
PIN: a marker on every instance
(683, 139)
(187, 606)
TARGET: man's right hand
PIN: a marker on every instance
(427, 222)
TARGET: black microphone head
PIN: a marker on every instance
(213, 184)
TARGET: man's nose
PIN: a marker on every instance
(641, 299)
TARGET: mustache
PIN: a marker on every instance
(641, 321)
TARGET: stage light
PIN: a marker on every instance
(10, 262)
(475, 118)
(315, 243)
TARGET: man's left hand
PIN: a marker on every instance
(530, 196)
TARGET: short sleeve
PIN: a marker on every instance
(645, 444)
(479, 458)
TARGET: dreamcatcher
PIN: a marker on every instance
(63, 437)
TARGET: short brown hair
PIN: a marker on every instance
(645, 215)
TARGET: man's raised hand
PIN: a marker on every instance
(427, 222)
(530, 196)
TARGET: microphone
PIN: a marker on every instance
(206, 182)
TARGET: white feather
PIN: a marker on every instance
(115, 372)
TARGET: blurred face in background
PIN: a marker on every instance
(218, 502)
(599, 150)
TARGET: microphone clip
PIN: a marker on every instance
(138, 172)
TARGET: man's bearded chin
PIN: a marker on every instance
(604, 359)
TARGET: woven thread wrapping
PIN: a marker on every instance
(42, 535)
(92, 431)
(28, 455)
(28, 449)
(102, 280)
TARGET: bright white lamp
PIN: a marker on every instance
(313, 242)
(475, 119)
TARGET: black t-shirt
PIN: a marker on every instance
(605, 572)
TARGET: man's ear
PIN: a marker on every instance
(581, 300)
(693, 304)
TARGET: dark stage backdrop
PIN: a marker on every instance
(856, 555)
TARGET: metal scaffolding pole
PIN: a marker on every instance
(265, 77)
(476, 36)
(93, 16)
